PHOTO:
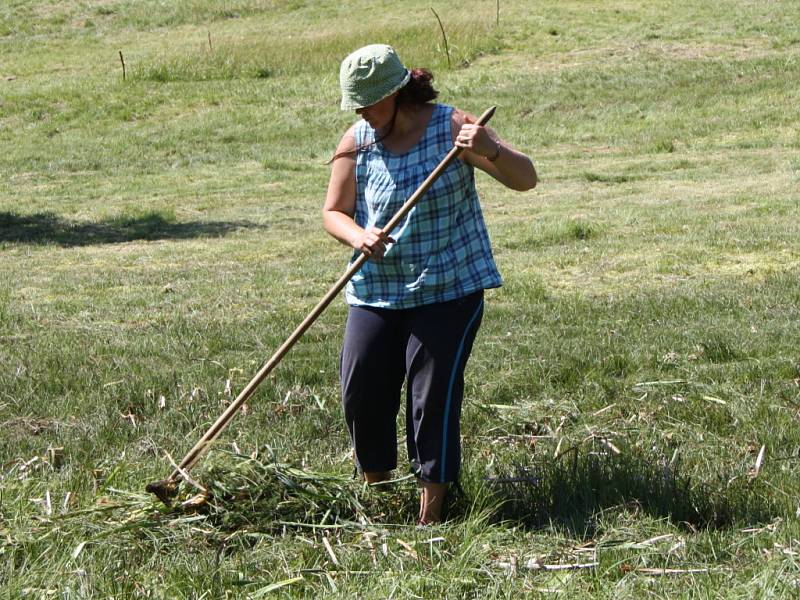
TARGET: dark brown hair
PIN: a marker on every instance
(418, 91)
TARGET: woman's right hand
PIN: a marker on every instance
(372, 242)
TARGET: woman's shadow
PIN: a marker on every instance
(48, 228)
(577, 489)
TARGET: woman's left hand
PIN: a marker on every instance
(476, 138)
(487, 152)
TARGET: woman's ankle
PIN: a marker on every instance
(377, 476)
(431, 502)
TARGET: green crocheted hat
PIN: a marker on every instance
(369, 75)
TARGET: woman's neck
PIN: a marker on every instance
(408, 128)
(408, 120)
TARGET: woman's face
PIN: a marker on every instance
(379, 115)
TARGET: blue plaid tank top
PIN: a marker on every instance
(442, 249)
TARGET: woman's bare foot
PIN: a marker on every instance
(377, 476)
(431, 500)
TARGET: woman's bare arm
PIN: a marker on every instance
(509, 166)
(340, 204)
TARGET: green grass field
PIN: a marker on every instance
(631, 422)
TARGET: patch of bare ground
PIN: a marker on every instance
(21, 427)
(625, 52)
(599, 278)
(746, 49)
(75, 16)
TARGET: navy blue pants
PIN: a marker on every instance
(427, 347)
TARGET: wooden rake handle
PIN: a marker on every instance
(202, 446)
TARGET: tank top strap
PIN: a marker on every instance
(443, 130)
(362, 133)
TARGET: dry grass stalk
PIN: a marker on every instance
(329, 550)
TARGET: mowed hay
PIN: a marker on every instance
(254, 492)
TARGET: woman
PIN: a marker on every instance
(416, 305)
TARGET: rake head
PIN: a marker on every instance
(164, 489)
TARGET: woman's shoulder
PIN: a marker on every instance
(457, 119)
(348, 142)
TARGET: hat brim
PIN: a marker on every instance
(351, 103)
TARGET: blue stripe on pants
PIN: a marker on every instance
(453, 374)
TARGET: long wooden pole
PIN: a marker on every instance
(204, 443)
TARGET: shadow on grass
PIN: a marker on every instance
(577, 490)
(49, 228)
